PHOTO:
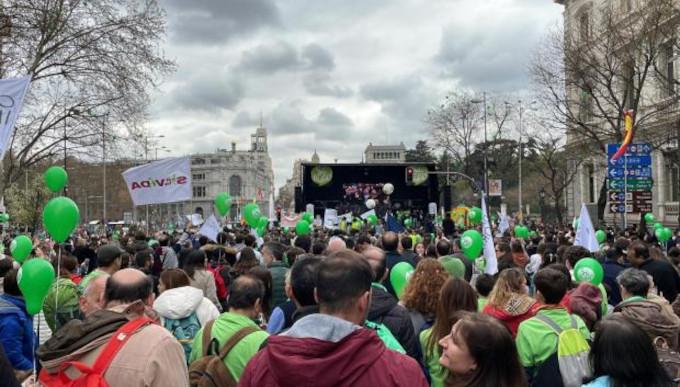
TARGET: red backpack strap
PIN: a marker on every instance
(104, 359)
(117, 341)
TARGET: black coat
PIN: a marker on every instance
(665, 278)
(385, 310)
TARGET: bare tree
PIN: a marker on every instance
(455, 126)
(604, 64)
(92, 65)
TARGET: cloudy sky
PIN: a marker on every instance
(333, 75)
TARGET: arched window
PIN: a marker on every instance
(235, 185)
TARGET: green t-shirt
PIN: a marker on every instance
(481, 303)
(431, 358)
(224, 327)
(536, 341)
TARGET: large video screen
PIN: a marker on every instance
(360, 192)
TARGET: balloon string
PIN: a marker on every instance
(35, 360)
(56, 299)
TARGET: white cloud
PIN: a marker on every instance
(333, 75)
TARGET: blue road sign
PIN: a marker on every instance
(632, 173)
(639, 149)
(633, 161)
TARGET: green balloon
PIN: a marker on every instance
(263, 222)
(4, 218)
(21, 248)
(601, 236)
(475, 215)
(664, 234)
(472, 244)
(408, 222)
(260, 230)
(302, 227)
(286, 230)
(533, 234)
(307, 217)
(35, 278)
(658, 225)
(521, 232)
(668, 233)
(649, 218)
(223, 203)
(372, 219)
(251, 212)
(588, 270)
(56, 178)
(152, 242)
(432, 237)
(400, 275)
(60, 218)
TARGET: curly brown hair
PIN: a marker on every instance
(422, 291)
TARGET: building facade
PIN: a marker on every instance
(246, 174)
(376, 154)
(657, 115)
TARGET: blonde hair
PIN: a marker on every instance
(509, 283)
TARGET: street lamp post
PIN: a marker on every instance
(541, 203)
(146, 158)
(486, 145)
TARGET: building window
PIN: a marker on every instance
(591, 184)
(626, 5)
(584, 25)
(214, 161)
(198, 161)
(198, 176)
(199, 192)
(666, 69)
(673, 183)
(235, 185)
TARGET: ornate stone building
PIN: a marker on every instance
(376, 154)
(246, 174)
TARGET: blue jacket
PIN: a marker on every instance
(16, 332)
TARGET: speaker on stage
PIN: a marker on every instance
(447, 198)
(299, 206)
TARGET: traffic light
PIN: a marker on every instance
(409, 175)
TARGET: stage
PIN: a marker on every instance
(348, 186)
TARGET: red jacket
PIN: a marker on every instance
(358, 360)
(512, 320)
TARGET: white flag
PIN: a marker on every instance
(367, 214)
(211, 228)
(489, 248)
(12, 92)
(165, 181)
(330, 218)
(585, 233)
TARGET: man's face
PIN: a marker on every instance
(267, 256)
(93, 299)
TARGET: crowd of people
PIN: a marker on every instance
(179, 309)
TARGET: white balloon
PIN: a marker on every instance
(370, 204)
(388, 189)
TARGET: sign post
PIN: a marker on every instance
(630, 180)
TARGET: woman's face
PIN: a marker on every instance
(499, 253)
(420, 249)
(455, 354)
(161, 287)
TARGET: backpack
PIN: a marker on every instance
(572, 353)
(184, 330)
(94, 376)
(210, 370)
(61, 306)
(670, 359)
(220, 286)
